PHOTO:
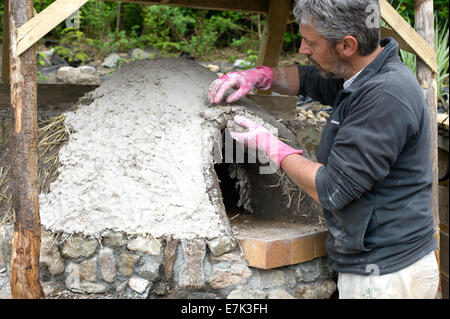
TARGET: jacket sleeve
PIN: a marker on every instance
(318, 88)
(367, 144)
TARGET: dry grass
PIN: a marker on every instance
(53, 134)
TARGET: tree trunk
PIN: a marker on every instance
(424, 25)
(24, 275)
(119, 6)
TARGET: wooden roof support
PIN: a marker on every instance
(24, 274)
(422, 48)
(45, 21)
(424, 24)
(273, 33)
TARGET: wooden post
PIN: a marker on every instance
(424, 25)
(5, 51)
(24, 275)
(273, 33)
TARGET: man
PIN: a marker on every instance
(373, 176)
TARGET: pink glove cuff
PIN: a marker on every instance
(284, 151)
(261, 139)
(274, 148)
(266, 81)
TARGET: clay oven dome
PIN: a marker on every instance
(141, 158)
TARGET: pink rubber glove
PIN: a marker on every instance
(261, 139)
(260, 78)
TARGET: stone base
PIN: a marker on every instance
(118, 265)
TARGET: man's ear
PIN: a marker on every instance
(348, 46)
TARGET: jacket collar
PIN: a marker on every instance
(389, 53)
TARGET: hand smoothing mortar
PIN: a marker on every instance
(135, 161)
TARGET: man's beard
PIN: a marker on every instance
(342, 67)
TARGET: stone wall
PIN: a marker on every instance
(136, 266)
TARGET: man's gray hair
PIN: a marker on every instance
(335, 19)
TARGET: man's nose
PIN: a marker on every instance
(304, 49)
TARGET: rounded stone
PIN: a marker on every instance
(317, 290)
(107, 263)
(138, 284)
(145, 245)
(77, 246)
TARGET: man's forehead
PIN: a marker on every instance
(308, 33)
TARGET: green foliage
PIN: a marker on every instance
(252, 56)
(75, 46)
(206, 33)
(406, 9)
(41, 77)
(442, 58)
(98, 17)
(246, 42)
(118, 41)
(441, 44)
(192, 31)
(41, 58)
(409, 60)
(164, 27)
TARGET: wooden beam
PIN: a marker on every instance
(273, 33)
(402, 44)
(24, 274)
(423, 49)
(424, 24)
(5, 51)
(251, 6)
(45, 21)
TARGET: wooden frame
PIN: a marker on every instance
(45, 21)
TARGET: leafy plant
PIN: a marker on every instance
(41, 58)
(118, 41)
(442, 51)
(442, 58)
(41, 77)
(74, 46)
(406, 9)
(247, 42)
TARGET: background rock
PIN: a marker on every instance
(111, 61)
(68, 74)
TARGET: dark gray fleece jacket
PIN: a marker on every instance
(375, 186)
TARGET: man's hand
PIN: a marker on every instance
(260, 78)
(261, 139)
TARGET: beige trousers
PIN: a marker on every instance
(417, 281)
